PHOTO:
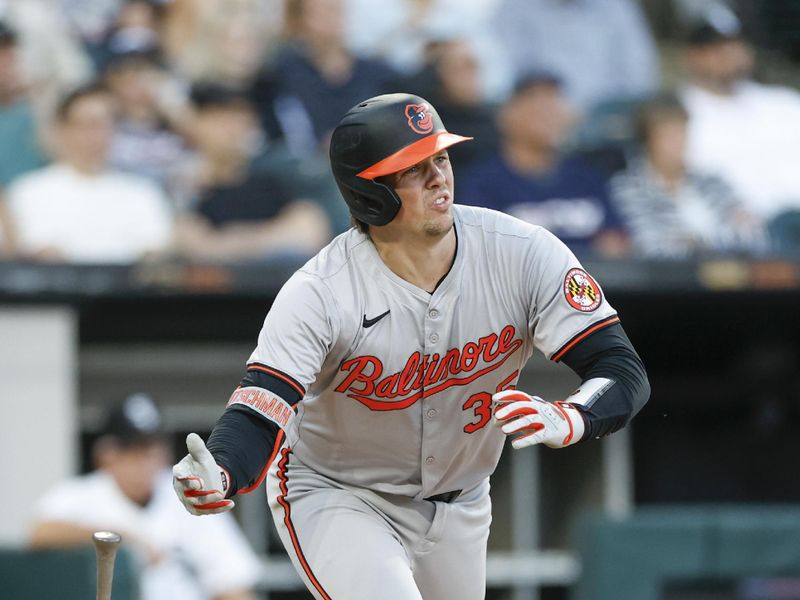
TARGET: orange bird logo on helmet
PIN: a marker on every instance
(419, 118)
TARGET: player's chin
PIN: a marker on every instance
(439, 225)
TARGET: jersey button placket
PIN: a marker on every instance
(430, 420)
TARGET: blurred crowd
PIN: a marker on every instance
(197, 129)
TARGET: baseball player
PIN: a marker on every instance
(382, 389)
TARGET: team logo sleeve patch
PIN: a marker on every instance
(582, 291)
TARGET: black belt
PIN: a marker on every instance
(445, 497)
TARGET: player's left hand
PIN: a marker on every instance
(536, 421)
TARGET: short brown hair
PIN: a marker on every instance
(94, 88)
(659, 108)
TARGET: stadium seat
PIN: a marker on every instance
(62, 574)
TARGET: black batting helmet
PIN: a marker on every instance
(380, 136)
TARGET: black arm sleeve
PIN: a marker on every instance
(243, 441)
(608, 353)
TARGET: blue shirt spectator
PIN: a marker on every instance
(314, 79)
(570, 199)
(532, 179)
(325, 100)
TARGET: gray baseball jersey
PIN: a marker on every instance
(397, 382)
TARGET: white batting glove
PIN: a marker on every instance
(535, 421)
(200, 483)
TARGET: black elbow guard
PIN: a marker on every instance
(609, 355)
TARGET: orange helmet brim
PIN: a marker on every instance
(412, 154)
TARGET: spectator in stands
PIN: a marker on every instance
(314, 79)
(52, 59)
(220, 41)
(401, 33)
(226, 42)
(130, 492)
(139, 21)
(456, 91)
(20, 145)
(90, 21)
(532, 179)
(79, 210)
(242, 211)
(740, 130)
(152, 112)
(602, 49)
(673, 212)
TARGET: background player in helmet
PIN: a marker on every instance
(380, 394)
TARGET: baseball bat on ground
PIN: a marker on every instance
(105, 546)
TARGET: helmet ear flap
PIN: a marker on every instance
(372, 202)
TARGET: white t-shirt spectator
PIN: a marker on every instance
(107, 218)
(751, 140)
(201, 556)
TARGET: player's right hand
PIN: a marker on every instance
(200, 483)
